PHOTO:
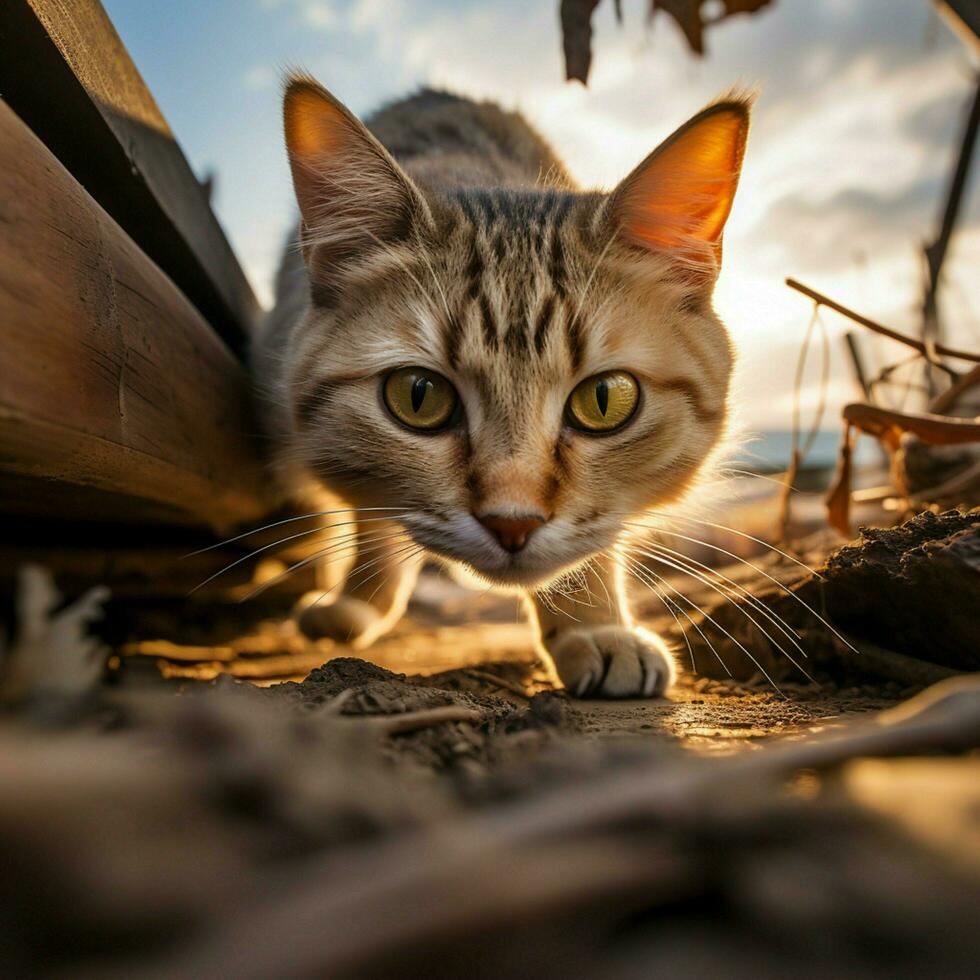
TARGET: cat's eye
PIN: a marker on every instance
(420, 399)
(603, 402)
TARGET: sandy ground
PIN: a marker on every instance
(445, 809)
(450, 628)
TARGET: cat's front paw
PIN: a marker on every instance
(346, 620)
(612, 662)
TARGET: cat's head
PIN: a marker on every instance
(518, 372)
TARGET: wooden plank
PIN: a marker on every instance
(113, 386)
(66, 73)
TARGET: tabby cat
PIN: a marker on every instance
(491, 367)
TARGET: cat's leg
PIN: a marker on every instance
(597, 648)
(382, 566)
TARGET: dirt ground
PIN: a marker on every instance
(468, 639)
(445, 809)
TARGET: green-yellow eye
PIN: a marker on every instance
(419, 398)
(603, 402)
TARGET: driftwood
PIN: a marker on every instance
(875, 327)
(894, 430)
(889, 426)
(925, 470)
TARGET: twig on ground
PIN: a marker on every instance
(571, 848)
(502, 683)
(413, 721)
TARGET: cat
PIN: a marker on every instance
(494, 368)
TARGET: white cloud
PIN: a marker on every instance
(321, 14)
(846, 164)
(260, 77)
(318, 14)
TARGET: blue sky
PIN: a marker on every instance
(847, 163)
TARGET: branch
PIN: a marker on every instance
(937, 430)
(877, 327)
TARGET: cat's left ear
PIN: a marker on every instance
(352, 194)
(678, 199)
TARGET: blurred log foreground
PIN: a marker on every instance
(161, 818)
(477, 822)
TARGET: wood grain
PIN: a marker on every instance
(67, 74)
(112, 382)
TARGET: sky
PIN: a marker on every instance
(854, 137)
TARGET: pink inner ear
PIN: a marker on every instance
(351, 193)
(315, 128)
(681, 195)
(317, 134)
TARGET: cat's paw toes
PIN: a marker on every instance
(613, 662)
(346, 620)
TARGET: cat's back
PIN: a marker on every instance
(445, 140)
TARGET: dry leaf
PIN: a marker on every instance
(576, 26)
(576, 29)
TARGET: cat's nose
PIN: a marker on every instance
(511, 532)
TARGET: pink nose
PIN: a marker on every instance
(511, 532)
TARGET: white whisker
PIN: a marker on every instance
(348, 547)
(731, 530)
(739, 590)
(591, 563)
(414, 548)
(644, 574)
(721, 629)
(286, 540)
(669, 605)
(762, 572)
(288, 520)
(700, 578)
(387, 578)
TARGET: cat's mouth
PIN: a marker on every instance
(514, 570)
(552, 551)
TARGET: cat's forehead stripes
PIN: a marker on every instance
(448, 236)
(515, 290)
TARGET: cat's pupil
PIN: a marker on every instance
(420, 388)
(602, 395)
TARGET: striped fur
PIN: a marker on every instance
(514, 285)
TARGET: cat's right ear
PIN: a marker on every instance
(352, 194)
(676, 202)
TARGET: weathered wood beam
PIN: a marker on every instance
(117, 400)
(66, 73)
